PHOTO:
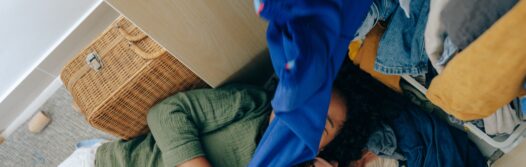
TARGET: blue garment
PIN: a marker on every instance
(479, 123)
(425, 140)
(308, 41)
(522, 101)
(449, 51)
(383, 143)
(89, 143)
(368, 23)
(386, 8)
(380, 11)
(401, 49)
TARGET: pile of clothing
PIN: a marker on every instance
(488, 67)
(412, 138)
(466, 52)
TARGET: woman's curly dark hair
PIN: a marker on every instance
(370, 104)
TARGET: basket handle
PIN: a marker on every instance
(144, 54)
(129, 37)
(131, 43)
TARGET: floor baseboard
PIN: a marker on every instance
(33, 107)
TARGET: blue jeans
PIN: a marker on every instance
(380, 11)
(401, 49)
(426, 140)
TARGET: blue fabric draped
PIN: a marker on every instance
(308, 42)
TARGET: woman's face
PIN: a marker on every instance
(335, 119)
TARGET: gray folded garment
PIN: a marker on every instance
(383, 143)
(465, 20)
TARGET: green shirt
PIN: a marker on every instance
(221, 124)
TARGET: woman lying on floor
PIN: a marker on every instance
(221, 127)
(382, 124)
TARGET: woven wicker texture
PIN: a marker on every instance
(136, 73)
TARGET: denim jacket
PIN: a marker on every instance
(380, 10)
(401, 49)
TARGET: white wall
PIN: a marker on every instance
(40, 37)
(29, 31)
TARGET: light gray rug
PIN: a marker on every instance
(55, 143)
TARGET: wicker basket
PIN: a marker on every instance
(120, 76)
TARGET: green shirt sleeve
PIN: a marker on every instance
(177, 122)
